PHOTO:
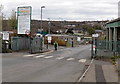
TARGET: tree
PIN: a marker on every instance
(1, 16)
(91, 31)
(12, 20)
(97, 27)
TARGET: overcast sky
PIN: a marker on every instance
(75, 10)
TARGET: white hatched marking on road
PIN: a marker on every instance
(48, 57)
(30, 55)
(59, 58)
(40, 56)
(82, 60)
(70, 58)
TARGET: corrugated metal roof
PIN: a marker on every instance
(113, 23)
(115, 20)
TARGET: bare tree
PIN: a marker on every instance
(1, 16)
(12, 20)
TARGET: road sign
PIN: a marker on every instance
(27, 32)
(5, 36)
(78, 38)
(49, 39)
(94, 47)
(24, 19)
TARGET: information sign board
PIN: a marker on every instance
(24, 19)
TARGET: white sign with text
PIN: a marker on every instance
(24, 19)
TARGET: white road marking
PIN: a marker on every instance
(40, 56)
(82, 60)
(48, 57)
(48, 52)
(30, 55)
(70, 58)
(59, 58)
(83, 75)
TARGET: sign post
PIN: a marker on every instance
(49, 39)
(24, 22)
(94, 45)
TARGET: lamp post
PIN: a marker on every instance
(49, 24)
(41, 15)
(41, 25)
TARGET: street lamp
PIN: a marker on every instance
(41, 15)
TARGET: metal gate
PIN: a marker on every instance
(36, 44)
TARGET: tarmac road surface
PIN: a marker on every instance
(64, 65)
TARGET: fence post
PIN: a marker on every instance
(30, 45)
(17, 40)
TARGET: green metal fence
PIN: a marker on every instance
(20, 43)
(25, 43)
(118, 47)
(108, 45)
(36, 45)
(106, 48)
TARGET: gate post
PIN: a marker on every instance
(92, 49)
(94, 45)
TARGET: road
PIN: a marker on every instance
(64, 65)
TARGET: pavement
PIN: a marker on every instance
(101, 71)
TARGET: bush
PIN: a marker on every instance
(114, 58)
